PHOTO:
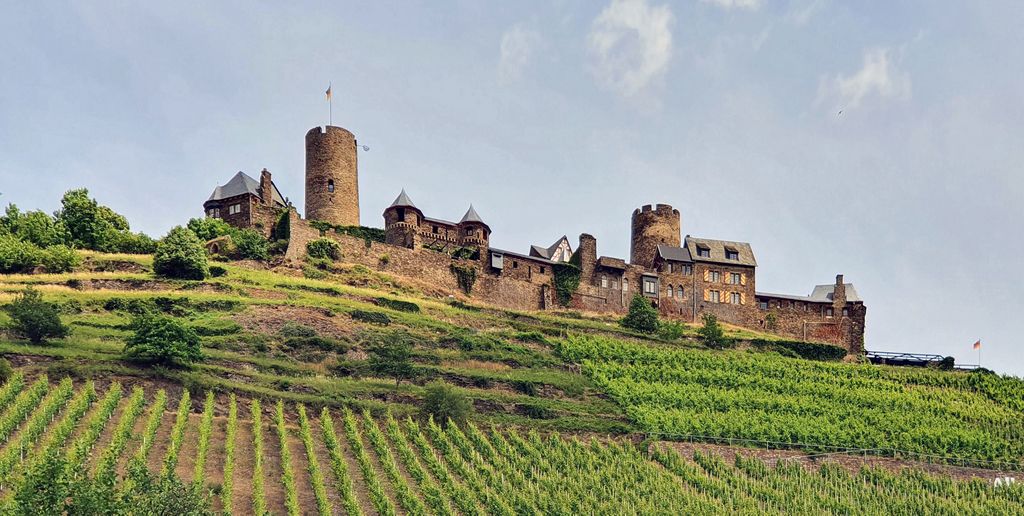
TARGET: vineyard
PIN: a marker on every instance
(674, 392)
(283, 461)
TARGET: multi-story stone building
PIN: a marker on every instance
(684, 277)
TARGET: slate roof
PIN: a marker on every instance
(547, 252)
(821, 294)
(718, 248)
(402, 200)
(676, 254)
(538, 259)
(242, 184)
(471, 216)
(612, 263)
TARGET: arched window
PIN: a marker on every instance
(670, 291)
(679, 292)
(330, 185)
(625, 284)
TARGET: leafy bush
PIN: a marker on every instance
(180, 254)
(371, 317)
(671, 330)
(293, 329)
(35, 319)
(17, 255)
(217, 271)
(323, 248)
(162, 340)
(59, 258)
(642, 316)
(391, 356)
(466, 276)
(711, 333)
(5, 370)
(36, 227)
(397, 304)
(806, 350)
(89, 225)
(444, 403)
(251, 245)
(208, 228)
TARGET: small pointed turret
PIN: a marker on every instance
(471, 216)
(402, 200)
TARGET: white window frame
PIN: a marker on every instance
(735, 298)
(715, 296)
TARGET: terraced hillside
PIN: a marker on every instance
(279, 458)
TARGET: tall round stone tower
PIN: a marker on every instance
(650, 227)
(332, 180)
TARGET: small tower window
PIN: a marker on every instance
(330, 185)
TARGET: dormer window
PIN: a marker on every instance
(330, 185)
(704, 252)
(732, 254)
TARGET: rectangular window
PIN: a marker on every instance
(542, 270)
(734, 278)
(704, 252)
(625, 284)
(714, 276)
(716, 296)
(735, 298)
(604, 281)
(688, 270)
(234, 208)
(515, 265)
(615, 285)
(650, 286)
(828, 312)
(435, 229)
(669, 291)
(846, 312)
(732, 255)
(763, 305)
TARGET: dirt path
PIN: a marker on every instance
(189, 447)
(273, 485)
(385, 482)
(107, 435)
(303, 482)
(241, 497)
(161, 442)
(358, 481)
(135, 441)
(213, 473)
(324, 460)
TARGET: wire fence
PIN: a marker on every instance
(815, 450)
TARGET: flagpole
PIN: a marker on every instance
(330, 107)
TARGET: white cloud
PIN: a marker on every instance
(878, 76)
(631, 42)
(800, 15)
(735, 4)
(517, 48)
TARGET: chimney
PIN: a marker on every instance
(266, 188)
(839, 294)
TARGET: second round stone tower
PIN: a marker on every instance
(652, 226)
(332, 178)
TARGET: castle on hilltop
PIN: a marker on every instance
(683, 277)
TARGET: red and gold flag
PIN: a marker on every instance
(328, 92)
(977, 345)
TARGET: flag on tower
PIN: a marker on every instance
(977, 345)
(328, 92)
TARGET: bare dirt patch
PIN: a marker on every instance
(269, 320)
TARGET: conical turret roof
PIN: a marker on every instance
(402, 200)
(471, 216)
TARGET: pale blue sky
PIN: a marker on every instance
(562, 117)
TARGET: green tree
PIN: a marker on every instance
(17, 255)
(180, 254)
(35, 319)
(711, 333)
(34, 226)
(88, 224)
(162, 340)
(444, 403)
(391, 356)
(642, 316)
(5, 370)
(251, 245)
(208, 228)
(59, 258)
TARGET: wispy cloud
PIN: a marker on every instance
(879, 76)
(799, 15)
(518, 45)
(631, 43)
(735, 4)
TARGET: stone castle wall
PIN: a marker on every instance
(331, 159)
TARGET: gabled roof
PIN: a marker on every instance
(823, 293)
(612, 263)
(402, 200)
(242, 184)
(718, 248)
(675, 254)
(548, 252)
(471, 216)
(495, 250)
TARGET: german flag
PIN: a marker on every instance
(328, 92)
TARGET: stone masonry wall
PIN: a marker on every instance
(331, 156)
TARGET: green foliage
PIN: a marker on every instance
(807, 350)
(466, 276)
(162, 340)
(398, 304)
(89, 225)
(5, 370)
(391, 356)
(771, 321)
(671, 330)
(18, 255)
(323, 248)
(444, 403)
(282, 230)
(59, 258)
(567, 278)
(366, 233)
(35, 319)
(34, 227)
(216, 271)
(251, 245)
(53, 486)
(712, 334)
(642, 316)
(181, 255)
(380, 318)
(208, 228)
